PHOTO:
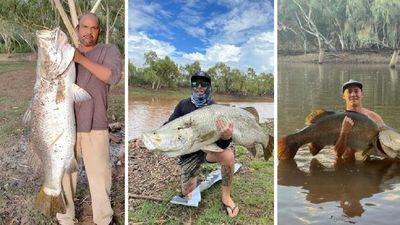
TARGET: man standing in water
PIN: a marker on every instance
(98, 67)
(352, 95)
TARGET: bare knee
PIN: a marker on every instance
(227, 157)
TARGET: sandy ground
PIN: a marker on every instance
(19, 181)
(20, 184)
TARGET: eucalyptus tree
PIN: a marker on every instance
(25, 17)
(386, 14)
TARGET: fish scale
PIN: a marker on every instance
(51, 116)
(197, 131)
(324, 129)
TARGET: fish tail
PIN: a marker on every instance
(269, 149)
(50, 205)
(285, 150)
(73, 166)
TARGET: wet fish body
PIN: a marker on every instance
(324, 129)
(51, 115)
(197, 131)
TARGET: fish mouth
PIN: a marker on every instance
(380, 148)
(147, 141)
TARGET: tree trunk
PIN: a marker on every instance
(158, 84)
(342, 43)
(107, 24)
(321, 52)
(95, 6)
(394, 58)
(67, 23)
(72, 10)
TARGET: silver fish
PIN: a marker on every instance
(51, 115)
(197, 130)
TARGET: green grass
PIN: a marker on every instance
(116, 107)
(252, 190)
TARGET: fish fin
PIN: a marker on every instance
(269, 149)
(253, 149)
(80, 94)
(50, 205)
(389, 141)
(282, 149)
(286, 150)
(212, 148)
(254, 112)
(33, 158)
(315, 115)
(28, 114)
(73, 166)
(314, 148)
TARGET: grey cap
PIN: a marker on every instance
(351, 82)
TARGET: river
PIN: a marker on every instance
(320, 190)
(148, 113)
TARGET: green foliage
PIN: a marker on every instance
(340, 24)
(164, 73)
(19, 19)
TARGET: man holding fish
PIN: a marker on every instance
(98, 67)
(352, 95)
(191, 162)
(355, 130)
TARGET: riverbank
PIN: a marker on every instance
(138, 92)
(336, 57)
(159, 179)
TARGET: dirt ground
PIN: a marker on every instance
(19, 182)
(151, 175)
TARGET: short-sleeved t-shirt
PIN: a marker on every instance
(92, 114)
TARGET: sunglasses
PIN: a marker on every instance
(202, 84)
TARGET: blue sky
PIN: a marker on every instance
(237, 33)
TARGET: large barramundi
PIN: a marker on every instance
(324, 128)
(51, 116)
(197, 131)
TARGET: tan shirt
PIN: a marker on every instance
(92, 114)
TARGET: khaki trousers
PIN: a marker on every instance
(93, 148)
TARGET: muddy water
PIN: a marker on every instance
(147, 113)
(321, 190)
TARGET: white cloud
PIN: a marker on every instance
(223, 53)
(243, 20)
(256, 53)
(195, 56)
(143, 16)
(217, 53)
(238, 38)
(140, 43)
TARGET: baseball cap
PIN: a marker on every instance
(351, 82)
